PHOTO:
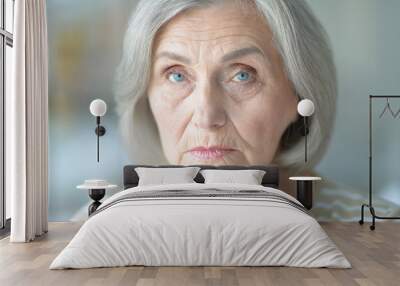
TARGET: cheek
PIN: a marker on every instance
(171, 115)
(170, 119)
(262, 121)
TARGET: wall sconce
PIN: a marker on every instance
(305, 108)
(98, 108)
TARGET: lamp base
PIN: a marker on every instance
(96, 195)
(100, 130)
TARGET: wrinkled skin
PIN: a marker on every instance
(218, 90)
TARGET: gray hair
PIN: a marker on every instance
(298, 37)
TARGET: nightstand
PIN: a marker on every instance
(305, 190)
(97, 190)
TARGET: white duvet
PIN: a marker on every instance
(200, 231)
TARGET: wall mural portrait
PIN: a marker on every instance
(218, 82)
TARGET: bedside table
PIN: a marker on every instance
(305, 190)
(97, 190)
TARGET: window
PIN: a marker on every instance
(6, 44)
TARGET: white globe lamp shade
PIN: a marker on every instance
(305, 107)
(98, 107)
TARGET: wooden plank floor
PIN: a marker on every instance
(375, 257)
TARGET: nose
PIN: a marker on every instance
(209, 112)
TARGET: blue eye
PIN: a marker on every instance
(176, 77)
(242, 76)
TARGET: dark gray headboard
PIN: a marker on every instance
(271, 177)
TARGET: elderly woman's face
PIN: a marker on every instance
(218, 90)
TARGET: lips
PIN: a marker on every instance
(210, 153)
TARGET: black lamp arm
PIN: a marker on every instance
(100, 131)
(305, 137)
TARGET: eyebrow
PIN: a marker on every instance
(228, 57)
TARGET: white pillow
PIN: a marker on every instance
(248, 177)
(162, 176)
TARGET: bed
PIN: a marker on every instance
(201, 224)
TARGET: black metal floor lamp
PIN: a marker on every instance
(370, 201)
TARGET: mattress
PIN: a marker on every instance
(201, 225)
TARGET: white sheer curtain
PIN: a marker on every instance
(27, 123)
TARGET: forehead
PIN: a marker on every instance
(225, 23)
